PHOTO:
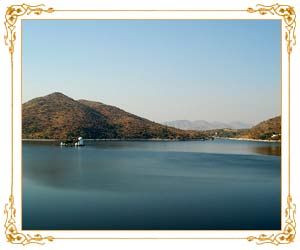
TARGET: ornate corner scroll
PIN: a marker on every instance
(289, 16)
(11, 17)
(289, 231)
(13, 235)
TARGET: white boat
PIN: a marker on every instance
(73, 142)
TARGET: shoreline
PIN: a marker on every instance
(158, 140)
(247, 139)
(40, 139)
(57, 140)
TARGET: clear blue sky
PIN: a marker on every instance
(160, 70)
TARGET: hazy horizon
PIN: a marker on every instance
(160, 70)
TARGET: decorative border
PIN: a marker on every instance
(13, 235)
(12, 14)
(289, 17)
(289, 232)
(11, 17)
(288, 14)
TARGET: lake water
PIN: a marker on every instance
(182, 185)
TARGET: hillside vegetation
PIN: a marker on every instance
(57, 116)
(266, 130)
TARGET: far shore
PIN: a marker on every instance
(246, 139)
(39, 139)
(155, 139)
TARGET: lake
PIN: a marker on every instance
(151, 185)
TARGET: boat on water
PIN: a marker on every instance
(75, 142)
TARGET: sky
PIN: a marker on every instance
(162, 70)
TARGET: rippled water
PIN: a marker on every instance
(111, 185)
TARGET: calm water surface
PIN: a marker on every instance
(194, 185)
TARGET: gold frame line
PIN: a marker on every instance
(13, 12)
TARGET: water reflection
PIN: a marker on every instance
(268, 150)
(218, 146)
(101, 167)
(151, 185)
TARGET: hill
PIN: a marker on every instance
(266, 130)
(57, 116)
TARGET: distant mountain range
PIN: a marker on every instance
(57, 116)
(205, 125)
